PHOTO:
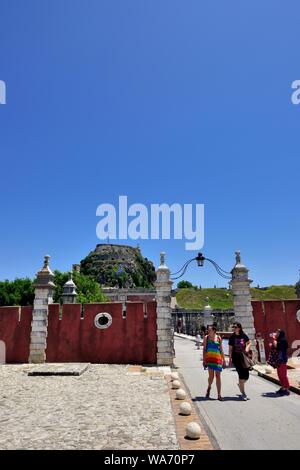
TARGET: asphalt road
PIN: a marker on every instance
(265, 421)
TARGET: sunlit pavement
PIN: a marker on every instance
(265, 421)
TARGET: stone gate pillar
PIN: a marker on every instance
(165, 331)
(240, 285)
(44, 288)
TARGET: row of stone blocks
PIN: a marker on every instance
(193, 430)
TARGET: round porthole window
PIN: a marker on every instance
(298, 316)
(103, 320)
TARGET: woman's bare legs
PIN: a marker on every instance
(211, 374)
(218, 383)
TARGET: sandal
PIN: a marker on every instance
(207, 392)
(220, 398)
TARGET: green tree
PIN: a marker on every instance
(21, 290)
(87, 288)
(17, 292)
(185, 285)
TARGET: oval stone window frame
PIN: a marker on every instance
(298, 316)
(103, 315)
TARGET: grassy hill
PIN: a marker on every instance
(222, 298)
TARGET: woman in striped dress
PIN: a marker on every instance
(213, 359)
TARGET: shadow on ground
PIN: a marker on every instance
(272, 395)
(215, 399)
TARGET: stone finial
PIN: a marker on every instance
(46, 268)
(238, 260)
(238, 257)
(162, 258)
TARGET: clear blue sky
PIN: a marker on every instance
(162, 101)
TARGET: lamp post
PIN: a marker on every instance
(200, 262)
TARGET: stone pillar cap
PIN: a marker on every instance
(69, 287)
(45, 276)
(70, 282)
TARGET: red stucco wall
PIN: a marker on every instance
(272, 314)
(130, 340)
(15, 333)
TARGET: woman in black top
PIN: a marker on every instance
(239, 344)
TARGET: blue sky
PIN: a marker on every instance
(162, 101)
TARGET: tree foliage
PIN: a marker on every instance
(185, 285)
(87, 288)
(17, 292)
(21, 291)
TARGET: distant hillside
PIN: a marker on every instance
(222, 299)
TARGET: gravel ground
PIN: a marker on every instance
(106, 407)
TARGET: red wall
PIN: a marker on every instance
(272, 314)
(15, 333)
(130, 340)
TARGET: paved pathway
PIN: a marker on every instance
(107, 407)
(266, 421)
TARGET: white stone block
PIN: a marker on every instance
(174, 376)
(40, 311)
(193, 430)
(38, 340)
(37, 348)
(38, 328)
(185, 408)
(40, 302)
(36, 334)
(180, 394)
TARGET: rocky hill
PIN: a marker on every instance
(118, 266)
